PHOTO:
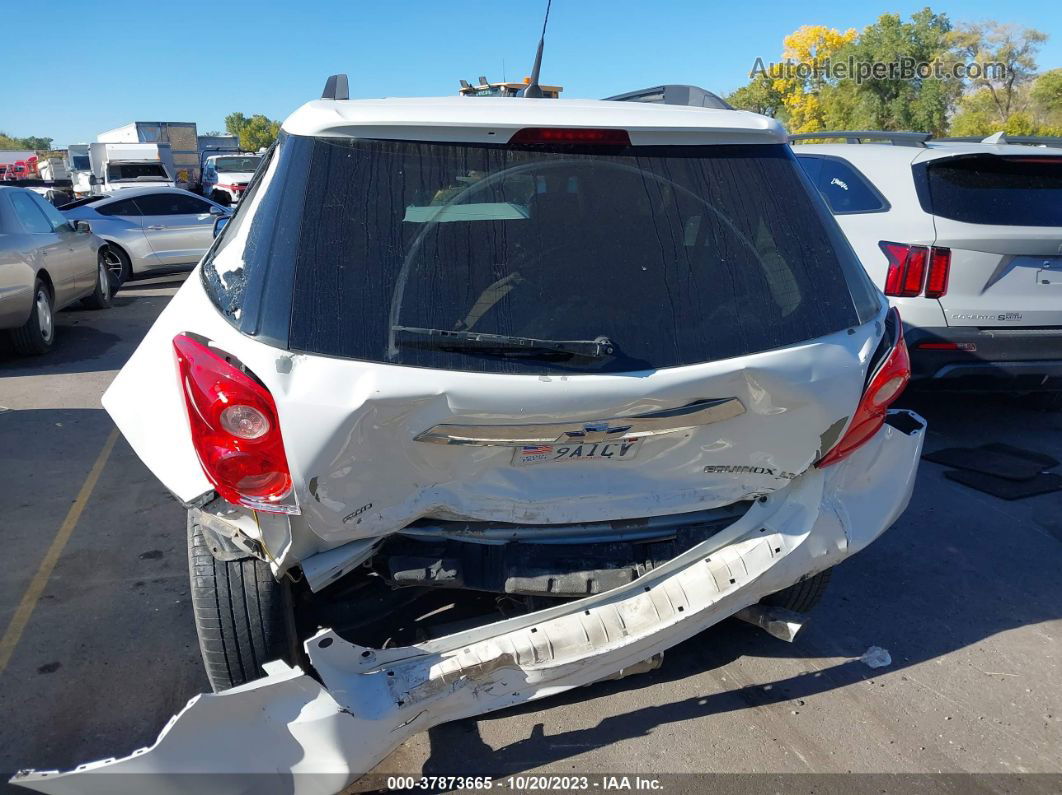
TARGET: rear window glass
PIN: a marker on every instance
(675, 255)
(844, 188)
(990, 189)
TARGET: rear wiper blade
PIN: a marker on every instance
(501, 344)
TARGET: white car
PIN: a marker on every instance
(149, 230)
(613, 362)
(965, 238)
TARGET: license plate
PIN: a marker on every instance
(601, 452)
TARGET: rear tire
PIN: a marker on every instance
(36, 335)
(801, 597)
(103, 291)
(243, 616)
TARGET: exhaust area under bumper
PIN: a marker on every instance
(292, 732)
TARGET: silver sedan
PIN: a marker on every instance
(149, 229)
(46, 263)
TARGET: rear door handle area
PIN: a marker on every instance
(156, 226)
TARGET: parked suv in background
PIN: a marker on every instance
(612, 362)
(966, 240)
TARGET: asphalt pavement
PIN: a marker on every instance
(964, 592)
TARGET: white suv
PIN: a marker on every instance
(965, 238)
(611, 362)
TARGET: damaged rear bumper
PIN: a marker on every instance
(292, 732)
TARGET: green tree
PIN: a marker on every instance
(34, 142)
(919, 100)
(825, 99)
(235, 122)
(991, 45)
(1040, 114)
(759, 96)
(1045, 99)
(255, 132)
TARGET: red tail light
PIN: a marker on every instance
(233, 420)
(914, 268)
(882, 390)
(939, 270)
(571, 135)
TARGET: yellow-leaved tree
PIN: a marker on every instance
(807, 52)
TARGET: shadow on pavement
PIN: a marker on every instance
(90, 341)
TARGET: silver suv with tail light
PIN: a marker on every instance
(965, 238)
(611, 364)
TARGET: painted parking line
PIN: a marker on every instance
(36, 587)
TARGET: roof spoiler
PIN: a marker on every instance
(674, 94)
(858, 136)
(336, 88)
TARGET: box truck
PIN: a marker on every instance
(180, 136)
(116, 166)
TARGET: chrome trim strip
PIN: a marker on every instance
(701, 412)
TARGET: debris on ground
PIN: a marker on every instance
(876, 657)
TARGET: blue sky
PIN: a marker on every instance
(108, 62)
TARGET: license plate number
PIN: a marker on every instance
(600, 452)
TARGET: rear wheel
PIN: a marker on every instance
(102, 294)
(118, 266)
(243, 616)
(801, 597)
(37, 334)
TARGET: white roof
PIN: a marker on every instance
(495, 119)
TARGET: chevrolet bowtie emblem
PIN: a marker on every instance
(594, 432)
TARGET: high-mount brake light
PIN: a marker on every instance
(914, 269)
(571, 135)
(884, 387)
(233, 420)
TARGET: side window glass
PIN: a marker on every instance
(124, 207)
(191, 205)
(172, 204)
(33, 220)
(55, 218)
(842, 186)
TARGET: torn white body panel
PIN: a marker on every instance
(320, 739)
(364, 449)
